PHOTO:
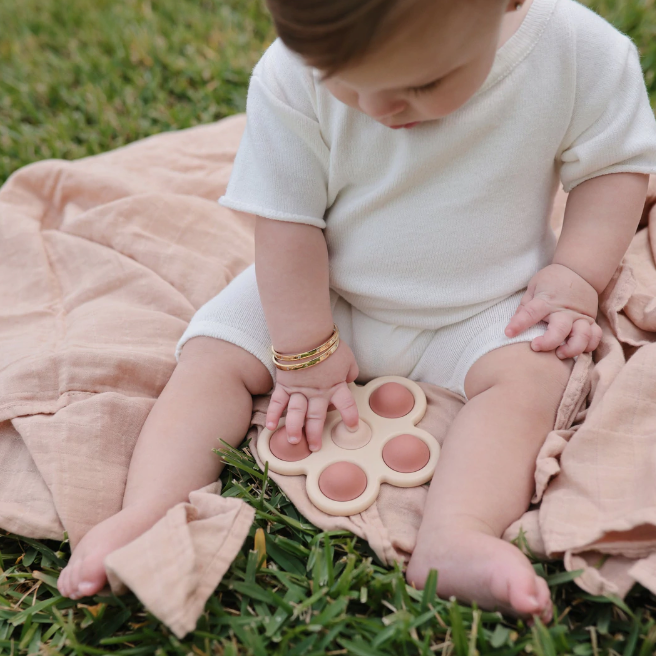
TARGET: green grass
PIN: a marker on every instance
(78, 77)
(318, 593)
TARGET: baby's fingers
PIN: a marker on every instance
(277, 405)
(296, 411)
(578, 340)
(344, 402)
(597, 334)
(527, 315)
(560, 326)
(315, 420)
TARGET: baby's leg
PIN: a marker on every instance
(485, 479)
(208, 398)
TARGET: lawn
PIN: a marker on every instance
(79, 77)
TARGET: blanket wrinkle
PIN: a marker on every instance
(183, 576)
(104, 260)
(571, 412)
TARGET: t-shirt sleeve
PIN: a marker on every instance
(612, 129)
(281, 167)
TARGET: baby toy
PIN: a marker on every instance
(344, 476)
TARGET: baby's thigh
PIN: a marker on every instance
(221, 359)
(533, 381)
(455, 348)
(229, 332)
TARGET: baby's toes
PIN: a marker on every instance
(62, 581)
(92, 575)
(74, 578)
(544, 595)
(526, 595)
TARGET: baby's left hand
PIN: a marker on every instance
(568, 303)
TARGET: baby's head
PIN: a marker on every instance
(399, 61)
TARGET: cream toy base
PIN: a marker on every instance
(344, 476)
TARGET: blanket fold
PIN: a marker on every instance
(202, 539)
(103, 262)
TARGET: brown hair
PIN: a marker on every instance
(330, 34)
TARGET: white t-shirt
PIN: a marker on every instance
(428, 226)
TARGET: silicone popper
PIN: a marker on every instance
(344, 476)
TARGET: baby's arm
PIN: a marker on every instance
(291, 265)
(600, 220)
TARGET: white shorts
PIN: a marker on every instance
(441, 357)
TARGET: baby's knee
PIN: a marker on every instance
(533, 379)
(225, 358)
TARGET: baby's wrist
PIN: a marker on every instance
(579, 274)
(304, 359)
(299, 341)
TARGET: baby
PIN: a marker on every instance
(400, 159)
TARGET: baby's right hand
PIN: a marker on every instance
(307, 393)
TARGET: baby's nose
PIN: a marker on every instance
(380, 107)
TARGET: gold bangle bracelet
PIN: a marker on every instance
(315, 351)
(309, 363)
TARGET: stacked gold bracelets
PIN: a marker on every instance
(317, 355)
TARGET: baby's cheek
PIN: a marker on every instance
(347, 96)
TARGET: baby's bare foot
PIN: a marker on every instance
(477, 567)
(85, 573)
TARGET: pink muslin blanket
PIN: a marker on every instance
(103, 261)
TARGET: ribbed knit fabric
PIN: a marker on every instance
(441, 357)
(429, 226)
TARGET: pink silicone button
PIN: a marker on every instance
(282, 449)
(342, 481)
(406, 453)
(392, 400)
